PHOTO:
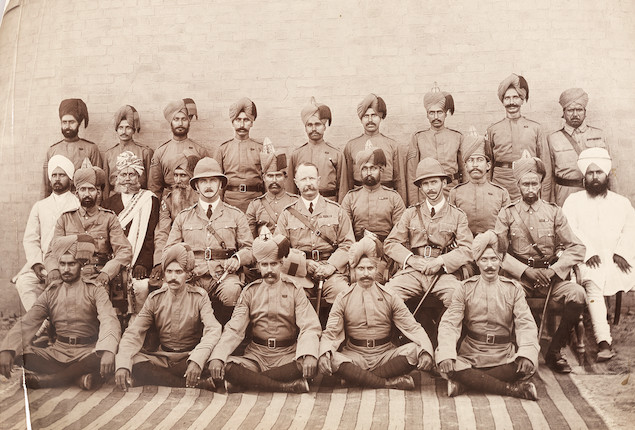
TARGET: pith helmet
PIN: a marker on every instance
(429, 168)
(208, 168)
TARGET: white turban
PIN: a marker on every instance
(598, 156)
(63, 163)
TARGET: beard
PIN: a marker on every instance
(180, 131)
(530, 199)
(370, 181)
(69, 133)
(181, 198)
(88, 202)
(596, 188)
(127, 188)
(58, 188)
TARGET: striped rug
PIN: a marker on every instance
(327, 406)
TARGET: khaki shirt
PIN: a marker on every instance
(191, 227)
(167, 213)
(76, 151)
(280, 311)
(184, 320)
(258, 214)
(240, 161)
(110, 164)
(480, 202)
(376, 210)
(371, 313)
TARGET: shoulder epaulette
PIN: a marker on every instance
(227, 205)
(161, 290)
(164, 143)
(107, 210)
(497, 122)
(332, 146)
(497, 186)
(331, 202)
(187, 209)
(389, 189)
(226, 142)
(531, 120)
(195, 289)
(70, 211)
(456, 131)
(256, 282)
(58, 142)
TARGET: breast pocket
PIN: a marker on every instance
(194, 235)
(328, 226)
(546, 237)
(417, 234)
(519, 240)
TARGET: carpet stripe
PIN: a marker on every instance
(549, 409)
(284, 419)
(303, 412)
(159, 414)
(226, 411)
(208, 414)
(431, 412)
(246, 403)
(381, 415)
(464, 412)
(324, 387)
(104, 409)
(351, 409)
(186, 402)
(413, 416)
(515, 409)
(272, 412)
(70, 419)
(447, 406)
(11, 393)
(366, 409)
(115, 411)
(51, 401)
(590, 415)
(397, 409)
(535, 415)
(500, 415)
(142, 414)
(193, 412)
(336, 408)
(482, 411)
(574, 420)
(254, 416)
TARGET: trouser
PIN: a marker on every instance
(493, 380)
(57, 373)
(410, 283)
(29, 288)
(146, 373)
(597, 310)
(227, 291)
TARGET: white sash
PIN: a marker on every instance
(138, 214)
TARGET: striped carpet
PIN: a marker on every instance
(327, 406)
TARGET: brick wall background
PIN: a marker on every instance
(280, 53)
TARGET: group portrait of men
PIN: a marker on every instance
(248, 268)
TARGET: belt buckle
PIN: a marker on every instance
(72, 341)
(370, 343)
(427, 251)
(271, 343)
(315, 255)
(530, 262)
(490, 338)
(242, 188)
(208, 254)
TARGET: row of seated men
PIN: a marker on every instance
(428, 237)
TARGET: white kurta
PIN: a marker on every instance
(606, 226)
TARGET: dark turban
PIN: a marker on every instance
(527, 164)
(438, 97)
(91, 175)
(375, 156)
(130, 114)
(243, 105)
(323, 112)
(75, 107)
(374, 102)
(182, 254)
(186, 163)
(573, 95)
(81, 247)
(518, 82)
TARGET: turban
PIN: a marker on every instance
(187, 106)
(314, 108)
(243, 105)
(91, 175)
(597, 156)
(438, 97)
(269, 160)
(486, 240)
(366, 247)
(128, 159)
(81, 247)
(473, 144)
(527, 164)
(518, 82)
(375, 156)
(182, 254)
(186, 163)
(130, 114)
(266, 247)
(573, 95)
(374, 102)
(75, 107)
(63, 163)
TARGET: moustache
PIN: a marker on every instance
(366, 278)
(209, 190)
(512, 105)
(476, 169)
(66, 273)
(308, 188)
(274, 185)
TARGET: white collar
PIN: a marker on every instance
(308, 202)
(436, 207)
(205, 205)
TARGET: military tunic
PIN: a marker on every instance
(506, 141)
(110, 164)
(331, 168)
(266, 209)
(239, 160)
(167, 212)
(281, 312)
(564, 158)
(376, 210)
(370, 314)
(480, 202)
(75, 150)
(185, 323)
(498, 309)
(445, 147)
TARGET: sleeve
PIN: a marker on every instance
(334, 334)
(121, 248)
(450, 327)
(459, 161)
(109, 327)
(574, 250)
(162, 231)
(134, 336)
(234, 331)
(96, 159)
(50, 262)
(510, 264)
(552, 196)
(398, 209)
(244, 240)
(32, 241)
(398, 172)
(147, 162)
(543, 153)
(26, 327)
(155, 175)
(290, 184)
(394, 243)
(452, 197)
(347, 205)
(108, 186)
(345, 238)
(624, 247)
(461, 255)
(252, 220)
(47, 189)
(405, 321)
(309, 324)
(571, 211)
(176, 232)
(350, 165)
(525, 328)
(412, 160)
(342, 178)
(211, 333)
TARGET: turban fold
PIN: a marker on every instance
(91, 175)
(374, 156)
(486, 240)
(518, 82)
(81, 247)
(438, 97)
(186, 163)
(269, 160)
(182, 254)
(366, 247)
(75, 107)
(374, 102)
(187, 106)
(473, 144)
(63, 163)
(129, 159)
(597, 156)
(323, 112)
(243, 105)
(130, 114)
(190, 107)
(527, 164)
(573, 95)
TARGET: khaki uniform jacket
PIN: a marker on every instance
(327, 217)
(76, 151)
(184, 320)
(480, 202)
(167, 213)
(448, 225)
(281, 311)
(258, 215)
(376, 210)
(550, 229)
(371, 314)
(499, 309)
(191, 227)
(240, 161)
(110, 241)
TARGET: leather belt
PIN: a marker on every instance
(508, 164)
(489, 338)
(243, 188)
(77, 340)
(215, 254)
(166, 349)
(389, 184)
(273, 342)
(428, 251)
(369, 343)
(536, 263)
(328, 193)
(317, 255)
(569, 182)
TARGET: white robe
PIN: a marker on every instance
(606, 226)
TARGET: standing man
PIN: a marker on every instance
(605, 222)
(535, 231)
(285, 329)
(362, 318)
(371, 111)
(127, 123)
(266, 209)
(509, 138)
(183, 317)
(179, 114)
(87, 327)
(72, 113)
(40, 227)
(480, 199)
(239, 158)
(218, 234)
(321, 229)
(439, 237)
(328, 159)
(500, 349)
(566, 144)
(438, 142)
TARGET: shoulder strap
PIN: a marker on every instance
(216, 235)
(523, 226)
(307, 223)
(269, 209)
(572, 141)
